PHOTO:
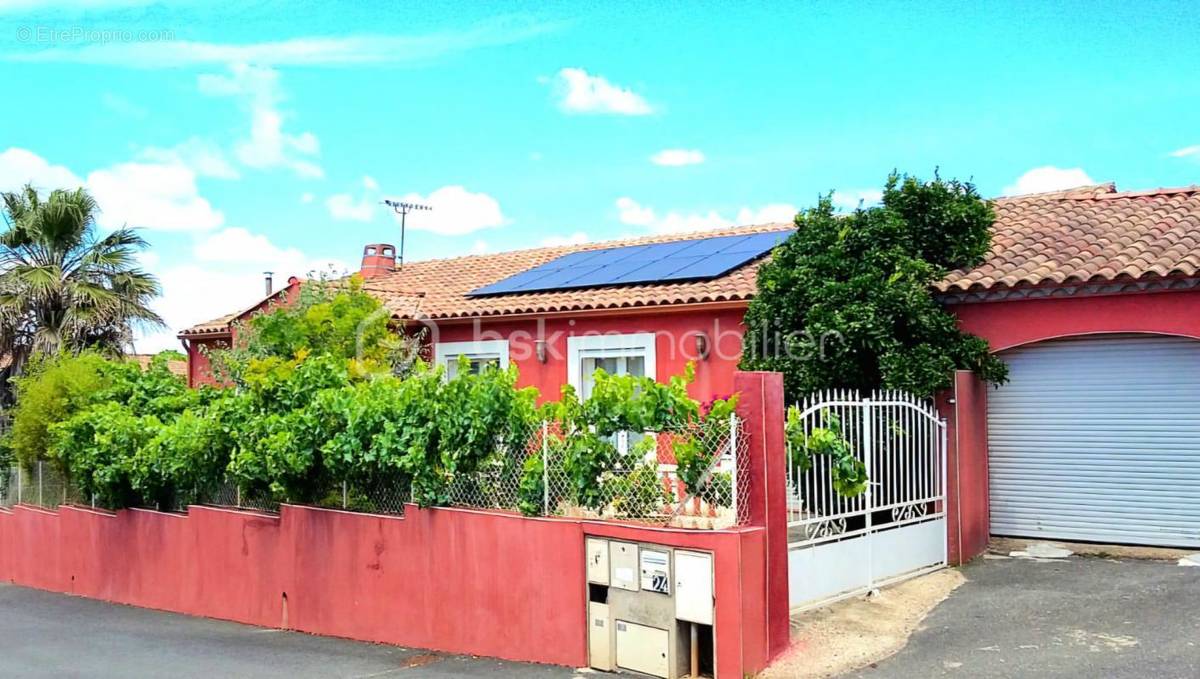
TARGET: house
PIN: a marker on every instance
(1090, 295)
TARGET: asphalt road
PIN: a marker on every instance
(1078, 617)
(54, 635)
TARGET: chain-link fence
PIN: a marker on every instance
(42, 486)
(644, 482)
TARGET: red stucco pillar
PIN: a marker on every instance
(761, 407)
(967, 518)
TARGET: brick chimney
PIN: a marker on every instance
(377, 260)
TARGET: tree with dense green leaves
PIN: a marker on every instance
(848, 300)
(329, 318)
(63, 285)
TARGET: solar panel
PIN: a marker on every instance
(695, 259)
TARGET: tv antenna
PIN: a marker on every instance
(403, 208)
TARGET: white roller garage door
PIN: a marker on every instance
(1098, 439)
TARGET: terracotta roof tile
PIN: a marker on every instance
(1088, 234)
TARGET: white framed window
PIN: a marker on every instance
(479, 354)
(631, 354)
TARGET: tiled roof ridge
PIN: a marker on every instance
(1103, 191)
(1144, 193)
(1084, 191)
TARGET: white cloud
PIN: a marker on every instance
(767, 214)
(151, 196)
(479, 247)
(203, 157)
(268, 145)
(631, 212)
(576, 238)
(225, 275)
(236, 245)
(343, 207)
(677, 157)
(307, 197)
(305, 51)
(160, 196)
(1187, 152)
(19, 167)
(456, 211)
(582, 92)
(850, 199)
(1048, 178)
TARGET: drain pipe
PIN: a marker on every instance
(695, 650)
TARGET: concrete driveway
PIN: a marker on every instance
(1074, 617)
(53, 635)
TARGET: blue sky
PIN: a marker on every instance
(262, 135)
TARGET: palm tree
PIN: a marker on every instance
(63, 286)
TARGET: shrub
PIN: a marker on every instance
(55, 388)
(97, 446)
(847, 300)
(183, 462)
(52, 390)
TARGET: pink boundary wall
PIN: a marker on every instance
(453, 580)
(448, 579)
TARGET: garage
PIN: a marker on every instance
(1097, 438)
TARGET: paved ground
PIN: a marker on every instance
(1078, 617)
(53, 635)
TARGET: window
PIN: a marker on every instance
(479, 354)
(631, 354)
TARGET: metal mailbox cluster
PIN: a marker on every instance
(648, 607)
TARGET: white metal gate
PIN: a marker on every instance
(896, 529)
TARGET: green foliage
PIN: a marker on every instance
(183, 461)
(65, 286)
(694, 457)
(583, 442)
(330, 318)
(640, 492)
(98, 446)
(52, 390)
(303, 427)
(847, 473)
(847, 300)
(55, 388)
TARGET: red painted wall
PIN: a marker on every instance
(199, 367)
(674, 348)
(761, 407)
(967, 520)
(454, 580)
(441, 579)
(1008, 324)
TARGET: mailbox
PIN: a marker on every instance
(597, 561)
(623, 562)
(694, 587)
